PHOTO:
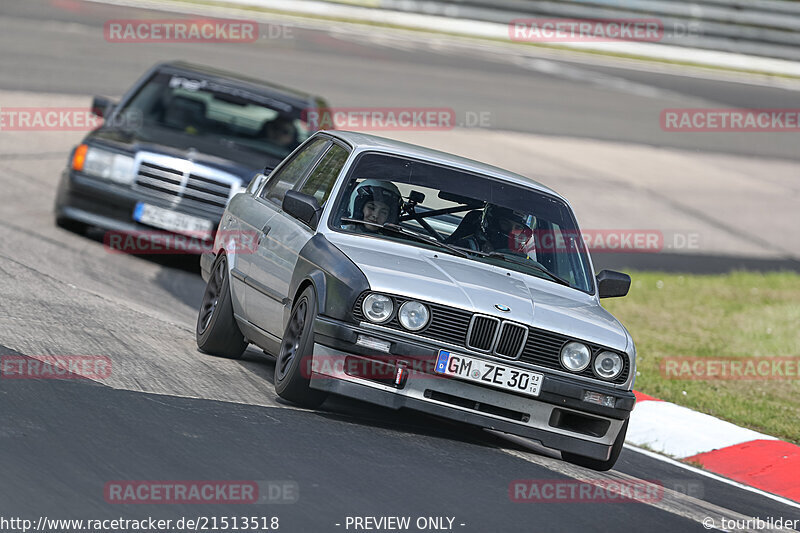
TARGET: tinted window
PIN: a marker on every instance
(321, 180)
(292, 172)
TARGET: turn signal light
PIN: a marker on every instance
(79, 157)
(599, 399)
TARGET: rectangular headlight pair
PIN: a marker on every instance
(108, 165)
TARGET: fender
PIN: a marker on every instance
(337, 280)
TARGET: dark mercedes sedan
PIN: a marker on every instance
(181, 142)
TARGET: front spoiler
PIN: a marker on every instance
(539, 418)
(396, 401)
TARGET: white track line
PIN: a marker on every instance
(711, 475)
(672, 501)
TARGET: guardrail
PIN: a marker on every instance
(769, 28)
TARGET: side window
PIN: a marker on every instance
(321, 180)
(291, 173)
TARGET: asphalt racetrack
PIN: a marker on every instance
(168, 412)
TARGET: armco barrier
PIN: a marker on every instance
(769, 28)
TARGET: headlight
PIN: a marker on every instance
(377, 308)
(108, 165)
(608, 365)
(575, 356)
(413, 315)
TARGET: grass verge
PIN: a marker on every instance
(742, 314)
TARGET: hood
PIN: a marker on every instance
(202, 149)
(395, 268)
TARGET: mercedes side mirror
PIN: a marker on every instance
(101, 106)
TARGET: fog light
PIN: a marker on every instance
(600, 399)
(374, 344)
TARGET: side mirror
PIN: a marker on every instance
(303, 207)
(102, 107)
(256, 183)
(612, 284)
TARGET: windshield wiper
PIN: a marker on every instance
(420, 237)
(528, 263)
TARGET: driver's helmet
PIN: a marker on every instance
(372, 190)
(505, 228)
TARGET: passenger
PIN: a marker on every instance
(500, 229)
(375, 201)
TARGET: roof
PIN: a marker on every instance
(364, 141)
(295, 97)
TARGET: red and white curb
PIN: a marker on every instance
(740, 454)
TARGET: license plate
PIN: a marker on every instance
(488, 373)
(172, 221)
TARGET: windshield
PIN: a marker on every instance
(463, 213)
(233, 115)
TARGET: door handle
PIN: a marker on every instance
(264, 231)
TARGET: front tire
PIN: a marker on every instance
(217, 332)
(596, 464)
(297, 348)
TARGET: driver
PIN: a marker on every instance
(375, 201)
(501, 228)
(281, 132)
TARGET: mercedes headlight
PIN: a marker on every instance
(377, 308)
(608, 365)
(575, 356)
(108, 165)
(413, 315)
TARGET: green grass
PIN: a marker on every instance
(736, 315)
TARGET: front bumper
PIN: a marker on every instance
(558, 417)
(110, 206)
